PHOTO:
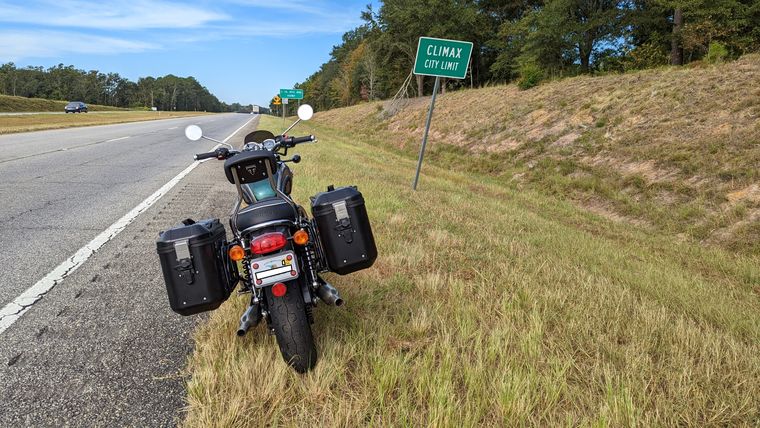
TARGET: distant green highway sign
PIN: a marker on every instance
(293, 94)
(442, 57)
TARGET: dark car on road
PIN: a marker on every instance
(75, 107)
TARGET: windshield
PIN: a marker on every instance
(258, 136)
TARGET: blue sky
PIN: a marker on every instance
(242, 50)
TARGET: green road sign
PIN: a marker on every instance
(442, 58)
(293, 94)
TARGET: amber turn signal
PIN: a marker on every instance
(236, 253)
(301, 237)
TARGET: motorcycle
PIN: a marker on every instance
(277, 252)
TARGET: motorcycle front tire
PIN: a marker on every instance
(292, 328)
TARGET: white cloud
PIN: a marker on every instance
(299, 18)
(310, 7)
(16, 44)
(266, 29)
(53, 28)
(108, 15)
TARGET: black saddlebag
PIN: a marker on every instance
(344, 229)
(198, 274)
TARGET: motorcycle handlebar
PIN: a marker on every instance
(201, 156)
(292, 141)
(221, 153)
(306, 139)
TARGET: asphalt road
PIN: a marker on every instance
(101, 348)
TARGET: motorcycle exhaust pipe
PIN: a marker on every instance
(328, 294)
(250, 318)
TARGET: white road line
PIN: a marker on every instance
(14, 310)
(117, 139)
(173, 127)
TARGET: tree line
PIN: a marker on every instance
(94, 87)
(529, 41)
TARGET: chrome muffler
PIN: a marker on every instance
(251, 317)
(329, 294)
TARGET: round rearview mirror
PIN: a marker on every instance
(305, 112)
(193, 132)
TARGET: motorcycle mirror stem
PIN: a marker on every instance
(305, 112)
(195, 133)
(220, 142)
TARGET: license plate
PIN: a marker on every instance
(278, 268)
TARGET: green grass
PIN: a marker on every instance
(495, 305)
(13, 104)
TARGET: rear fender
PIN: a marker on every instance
(303, 279)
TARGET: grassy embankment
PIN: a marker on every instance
(11, 104)
(39, 122)
(495, 305)
(673, 150)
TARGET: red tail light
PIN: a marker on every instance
(268, 243)
(279, 289)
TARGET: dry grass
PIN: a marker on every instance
(493, 306)
(664, 147)
(39, 122)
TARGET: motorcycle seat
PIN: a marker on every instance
(267, 210)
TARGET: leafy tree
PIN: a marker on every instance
(530, 40)
(690, 26)
(567, 34)
(404, 21)
(370, 72)
(68, 83)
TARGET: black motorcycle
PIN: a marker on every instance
(276, 253)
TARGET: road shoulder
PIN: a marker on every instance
(103, 348)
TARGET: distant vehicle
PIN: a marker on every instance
(75, 107)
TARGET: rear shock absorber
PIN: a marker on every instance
(315, 247)
(310, 266)
(247, 277)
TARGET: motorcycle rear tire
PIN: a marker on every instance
(291, 327)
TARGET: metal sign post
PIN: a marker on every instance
(425, 135)
(439, 58)
(290, 94)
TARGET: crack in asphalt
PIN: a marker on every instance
(57, 228)
(14, 359)
(62, 149)
(39, 290)
(31, 210)
(91, 183)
